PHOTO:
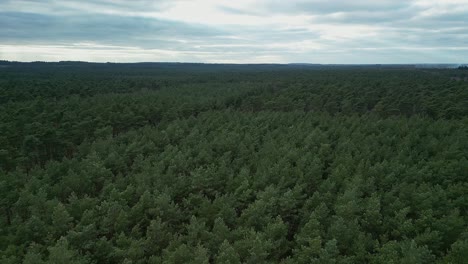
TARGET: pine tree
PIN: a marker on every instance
(61, 253)
(61, 220)
(227, 254)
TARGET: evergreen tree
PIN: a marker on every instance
(227, 254)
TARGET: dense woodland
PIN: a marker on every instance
(194, 163)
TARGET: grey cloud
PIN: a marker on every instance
(120, 30)
(402, 12)
(333, 6)
(133, 5)
(90, 6)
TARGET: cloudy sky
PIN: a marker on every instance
(235, 31)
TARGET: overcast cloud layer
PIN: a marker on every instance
(240, 31)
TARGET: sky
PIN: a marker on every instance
(235, 31)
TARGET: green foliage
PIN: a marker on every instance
(61, 253)
(227, 254)
(231, 164)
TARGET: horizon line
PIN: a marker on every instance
(232, 63)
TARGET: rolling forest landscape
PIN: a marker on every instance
(231, 163)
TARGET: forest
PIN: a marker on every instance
(218, 163)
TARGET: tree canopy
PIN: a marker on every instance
(194, 163)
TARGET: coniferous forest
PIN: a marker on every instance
(197, 163)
